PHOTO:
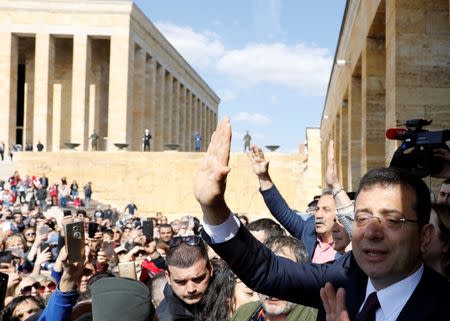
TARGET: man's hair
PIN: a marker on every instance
(82, 212)
(292, 243)
(165, 226)
(184, 255)
(398, 176)
(269, 226)
(446, 182)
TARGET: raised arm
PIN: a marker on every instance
(276, 204)
(211, 180)
(344, 206)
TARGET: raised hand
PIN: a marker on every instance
(334, 303)
(331, 174)
(259, 164)
(211, 178)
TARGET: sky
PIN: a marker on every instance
(269, 61)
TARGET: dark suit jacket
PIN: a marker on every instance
(269, 274)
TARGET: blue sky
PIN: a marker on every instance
(268, 60)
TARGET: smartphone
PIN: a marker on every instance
(127, 270)
(108, 248)
(147, 229)
(74, 240)
(3, 288)
(92, 229)
(5, 256)
(67, 213)
(44, 229)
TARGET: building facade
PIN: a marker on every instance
(71, 68)
(392, 64)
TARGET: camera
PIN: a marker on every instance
(416, 150)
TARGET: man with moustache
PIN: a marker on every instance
(316, 232)
(272, 309)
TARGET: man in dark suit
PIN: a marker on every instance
(389, 234)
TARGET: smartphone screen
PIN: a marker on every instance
(44, 229)
(127, 270)
(92, 229)
(108, 248)
(3, 288)
(147, 229)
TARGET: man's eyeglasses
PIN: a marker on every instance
(191, 240)
(392, 221)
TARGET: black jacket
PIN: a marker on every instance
(174, 309)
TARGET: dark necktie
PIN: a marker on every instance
(367, 313)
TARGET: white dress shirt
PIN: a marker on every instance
(393, 298)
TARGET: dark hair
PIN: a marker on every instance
(447, 181)
(216, 304)
(313, 203)
(165, 226)
(7, 312)
(398, 176)
(443, 215)
(243, 217)
(97, 276)
(82, 212)
(269, 226)
(184, 255)
(292, 243)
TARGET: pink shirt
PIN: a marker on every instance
(323, 252)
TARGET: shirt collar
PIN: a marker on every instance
(393, 298)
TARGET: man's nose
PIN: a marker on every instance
(191, 288)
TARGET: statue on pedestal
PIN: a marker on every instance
(94, 140)
(146, 139)
(247, 142)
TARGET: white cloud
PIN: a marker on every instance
(300, 66)
(200, 49)
(226, 95)
(254, 119)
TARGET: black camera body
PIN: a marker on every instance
(416, 150)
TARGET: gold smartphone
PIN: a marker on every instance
(74, 239)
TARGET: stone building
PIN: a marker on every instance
(68, 68)
(392, 63)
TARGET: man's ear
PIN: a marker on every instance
(167, 274)
(426, 235)
(211, 270)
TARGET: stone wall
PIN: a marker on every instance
(163, 181)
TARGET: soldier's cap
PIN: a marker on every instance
(117, 299)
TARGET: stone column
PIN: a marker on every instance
(9, 53)
(138, 99)
(94, 102)
(150, 99)
(29, 98)
(168, 97)
(203, 122)
(82, 56)
(43, 90)
(373, 104)
(195, 107)
(159, 111)
(182, 130)
(343, 138)
(120, 90)
(56, 122)
(189, 118)
(354, 134)
(175, 112)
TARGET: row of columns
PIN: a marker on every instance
(141, 94)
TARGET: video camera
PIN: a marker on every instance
(416, 150)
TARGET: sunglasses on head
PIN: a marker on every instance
(29, 288)
(191, 240)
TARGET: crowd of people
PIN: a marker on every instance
(387, 243)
